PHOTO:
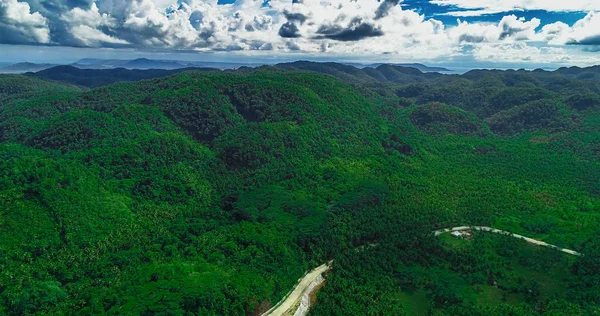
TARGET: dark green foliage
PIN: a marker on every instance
(75, 130)
(201, 112)
(511, 97)
(585, 288)
(41, 296)
(396, 144)
(545, 115)
(440, 118)
(583, 102)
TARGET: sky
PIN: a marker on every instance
(469, 33)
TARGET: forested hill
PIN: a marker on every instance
(21, 87)
(211, 193)
(379, 74)
(93, 78)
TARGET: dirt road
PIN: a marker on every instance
(294, 297)
(497, 231)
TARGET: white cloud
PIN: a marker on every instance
(584, 32)
(521, 53)
(84, 26)
(19, 25)
(92, 37)
(518, 29)
(509, 29)
(91, 17)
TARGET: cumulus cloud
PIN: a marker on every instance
(289, 30)
(84, 26)
(358, 27)
(18, 25)
(355, 31)
(295, 17)
(384, 8)
(584, 32)
(510, 28)
(518, 28)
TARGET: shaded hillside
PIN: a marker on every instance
(421, 67)
(381, 80)
(435, 118)
(93, 78)
(341, 71)
(543, 115)
(369, 75)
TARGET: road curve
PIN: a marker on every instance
(497, 231)
(295, 295)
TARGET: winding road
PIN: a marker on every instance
(294, 297)
(497, 231)
(291, 300)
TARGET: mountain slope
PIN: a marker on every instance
(22, 87)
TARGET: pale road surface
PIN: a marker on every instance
(497, 231)
(296, 294)
(292, 299)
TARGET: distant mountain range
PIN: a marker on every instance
(25, 67)
(145, 63)
(380, 78)
(140, 63)
(421, 67)
(93, 78)
(373, 77)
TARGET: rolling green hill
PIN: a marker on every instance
(212, 192)
(21, 87)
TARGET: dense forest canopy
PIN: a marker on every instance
(211, 192)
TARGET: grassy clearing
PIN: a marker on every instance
(414, 303)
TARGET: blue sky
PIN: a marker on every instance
(439, 12)
(471, 33)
